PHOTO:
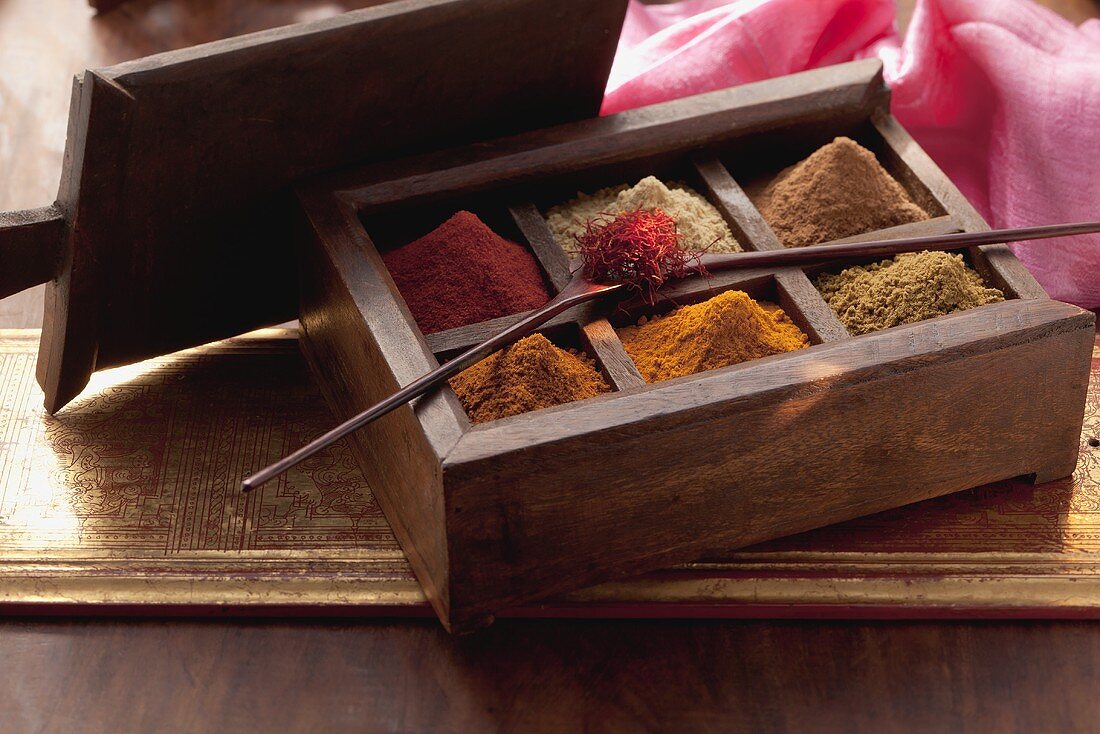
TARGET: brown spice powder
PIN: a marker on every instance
(839, 191)
(910, 287)
(728, 329)
(528, 375)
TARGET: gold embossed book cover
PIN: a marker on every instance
(129, 500)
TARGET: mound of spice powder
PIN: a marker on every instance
(462, 272)
(910, 287)
(728, 329)
(528, 375)
(701, 226)
(839, 191)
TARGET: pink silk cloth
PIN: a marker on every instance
(1003, 94)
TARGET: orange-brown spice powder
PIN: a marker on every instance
(529, 375)
(728, 329)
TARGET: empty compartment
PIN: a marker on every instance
(871, 294)
(459, 263)
(826, 183)
(710, 328)
(554, 366)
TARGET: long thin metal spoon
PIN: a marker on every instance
(580, 290)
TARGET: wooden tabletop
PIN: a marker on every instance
(77, 675)
(549, 676)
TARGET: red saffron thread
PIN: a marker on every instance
(639, 248)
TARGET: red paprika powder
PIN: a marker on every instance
(462, 272)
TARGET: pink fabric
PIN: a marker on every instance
(1004, 95)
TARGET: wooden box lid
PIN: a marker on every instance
(173, 221)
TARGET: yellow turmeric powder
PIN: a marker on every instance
(728, 329)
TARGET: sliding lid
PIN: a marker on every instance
(173, 221)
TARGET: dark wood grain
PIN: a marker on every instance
(619, 368)
(551, 676)
(184, 236)
(43, 44)
(100, 115)
(539, 235)
(804, 304)
(839, 95)
(462, 337)
(552, 501)
(929, 227)
(30, 245)
(728, 197)
(349, 319)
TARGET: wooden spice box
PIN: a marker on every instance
(652, 475)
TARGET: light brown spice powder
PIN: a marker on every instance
(910, 287)
(839, 191)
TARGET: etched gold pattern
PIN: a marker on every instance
(130, 497)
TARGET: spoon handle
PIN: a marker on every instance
(879, 248)
(577, 291)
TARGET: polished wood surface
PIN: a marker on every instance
(558, 676)
(91, 676)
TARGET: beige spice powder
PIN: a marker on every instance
(701, 226)
(839, 191)
(910, 287)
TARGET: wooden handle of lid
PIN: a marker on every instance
(30, 247)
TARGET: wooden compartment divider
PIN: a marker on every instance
(811, 311)
(817, 319)
(451, 340)
(734, 204)
(549, 254)
(621, 371)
